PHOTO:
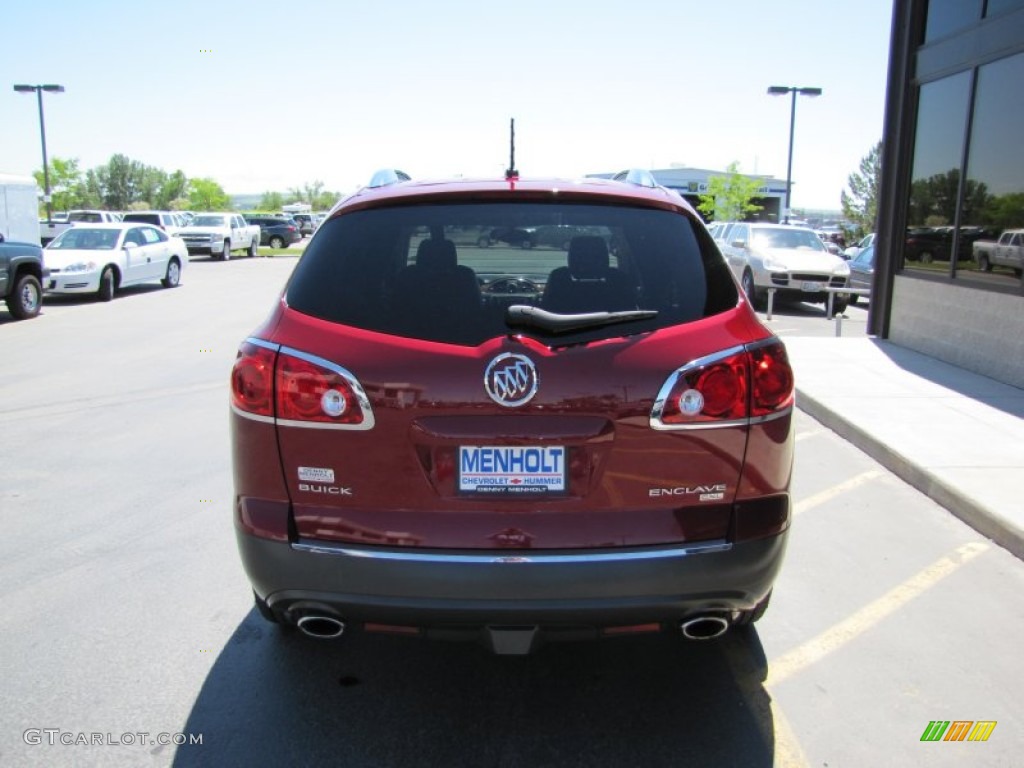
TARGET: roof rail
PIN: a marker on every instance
(387, 176)
(638, 176)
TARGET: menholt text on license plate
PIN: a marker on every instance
(511, 470)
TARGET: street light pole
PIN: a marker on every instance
(38, 89)
(780, 90)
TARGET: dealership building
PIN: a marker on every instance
(691, 183)
(953, 175)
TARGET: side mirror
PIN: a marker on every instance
(129, 246)
(738, 243)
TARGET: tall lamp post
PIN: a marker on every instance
(782, 90)
(38, 89)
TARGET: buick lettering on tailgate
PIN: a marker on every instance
(511, 469)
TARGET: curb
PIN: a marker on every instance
(977, 516)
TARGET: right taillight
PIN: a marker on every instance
(734, 387)
(771, 379)
(295, 389)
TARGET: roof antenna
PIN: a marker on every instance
(512, 174)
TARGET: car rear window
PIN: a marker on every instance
(450, 272)
(145, 218)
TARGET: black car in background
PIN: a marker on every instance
(928, 244)
(275, 231)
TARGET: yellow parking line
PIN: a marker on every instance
(830, 493)
(856, 625)
(788, 752)
(772, 724)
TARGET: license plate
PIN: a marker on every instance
(812, 287)
(506, 470)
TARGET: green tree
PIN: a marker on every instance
(123, 181)
(729, 197)
(860, 204)
(174, 187)
(271, 201)
(207, 195)
(89, 192)
(65, 178)
(325, 201)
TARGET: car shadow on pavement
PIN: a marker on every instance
(276, 697)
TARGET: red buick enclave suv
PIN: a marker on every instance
(437, 437)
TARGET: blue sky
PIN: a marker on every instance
(266, 96)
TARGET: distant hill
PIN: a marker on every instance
(245, 202)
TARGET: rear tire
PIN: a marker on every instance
(254, 248)
(983, 263)
(277, 242)
(26, 299)
(108, 285)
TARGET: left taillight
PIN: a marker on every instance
(311, 391)
(734, 387)
(296, 389)
(252, 380)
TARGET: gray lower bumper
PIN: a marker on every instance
(437, 588)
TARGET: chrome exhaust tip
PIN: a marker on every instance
(704, 627)
(321, 627)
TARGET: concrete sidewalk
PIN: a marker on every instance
(957, 436)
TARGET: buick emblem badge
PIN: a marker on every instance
(511, 380)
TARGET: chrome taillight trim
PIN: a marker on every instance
(659, 403)
(357, 389)
(350, 379)
(515, 557)
(666, 389)
(251, 416)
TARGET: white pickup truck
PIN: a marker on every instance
(1007, 251)
(218, 234)
(49, 230)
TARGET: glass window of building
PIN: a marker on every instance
(947, 16)
(994, 194)
(935, 180)
(995, 7)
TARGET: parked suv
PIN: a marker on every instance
(275, 231)
(433, 437)
(790, 260)
(166, 220)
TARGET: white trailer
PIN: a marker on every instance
(19, 209)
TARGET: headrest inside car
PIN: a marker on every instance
(588, 257)
(437, 255)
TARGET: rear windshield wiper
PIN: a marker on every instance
(552, 322)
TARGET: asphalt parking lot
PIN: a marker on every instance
(127, 611)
